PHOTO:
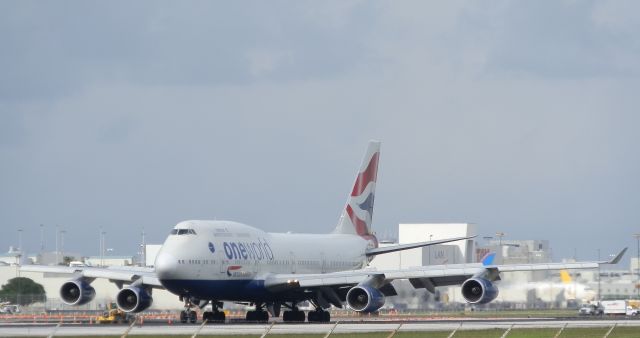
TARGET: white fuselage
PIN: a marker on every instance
(224, 260)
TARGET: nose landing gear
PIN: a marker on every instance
(189, 315)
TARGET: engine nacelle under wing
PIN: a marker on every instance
(134, 299)
(77, 292)
(363, 298)
(479, 291)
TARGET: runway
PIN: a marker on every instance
(30, 330)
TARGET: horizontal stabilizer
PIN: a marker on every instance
(400, 247)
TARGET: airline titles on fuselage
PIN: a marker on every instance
(248, 250)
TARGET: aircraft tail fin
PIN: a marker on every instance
(565, 277)
(358, 211)
(488, 258)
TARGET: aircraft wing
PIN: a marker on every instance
(400, 247)
(420, 277)
(118, 275)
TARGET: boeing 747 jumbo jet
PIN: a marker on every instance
(210, 262)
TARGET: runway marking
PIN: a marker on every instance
(333, 328)
(560, 331)
(393, 333)
(610, 330)
(268, 330)
(126, 332)
(506, 333)
(53, 332)
(204, 322)
(454, 331)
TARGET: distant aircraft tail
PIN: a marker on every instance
(358, 212)
(488, 258)
(565, 277)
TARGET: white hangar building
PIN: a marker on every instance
(451, 253)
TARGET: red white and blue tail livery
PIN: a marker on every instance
(357, 215)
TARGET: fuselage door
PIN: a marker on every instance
(323, 262)
(224, 263)
(292, 264)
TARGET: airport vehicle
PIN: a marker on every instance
(209, 262)
(113, 315)
(8, 308)
(618, 307)
(591, 309)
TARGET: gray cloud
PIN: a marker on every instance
(518, 117)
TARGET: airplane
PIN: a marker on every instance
(212, 262)
(548, 291)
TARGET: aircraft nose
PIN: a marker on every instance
(166, 266)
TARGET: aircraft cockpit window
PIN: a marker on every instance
(183, 232)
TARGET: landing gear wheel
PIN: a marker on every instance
(183, 317)
(294, 316)
(326, 316)
(193, 317)
(213, 317)
(319, 316)
(257, 316)
(218, 317)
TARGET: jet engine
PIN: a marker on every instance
(363, 298)
(479, 291)
(77, 292)
(134, 299)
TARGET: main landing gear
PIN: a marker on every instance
(214, 316)
(319, 316)
(258, 315)
(293, 315)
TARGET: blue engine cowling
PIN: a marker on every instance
(77, 292)
(364, 298)
(133, 299)
(479, 291)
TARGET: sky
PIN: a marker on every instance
(518, 116)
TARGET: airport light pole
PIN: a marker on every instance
(598, 275)
(500, 235)
(103, 246)
(62, 244)
(19, 255)
(57, 234)
(20, 240)
(430, 237)
(100, 244)
(144, 249)
(41, 239)
(637, 237)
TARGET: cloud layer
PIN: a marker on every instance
(519, 117)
